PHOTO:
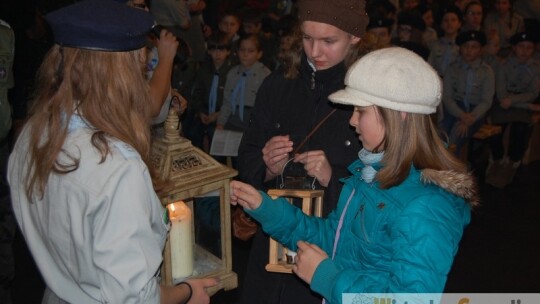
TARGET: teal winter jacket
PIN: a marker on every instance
(397, 240)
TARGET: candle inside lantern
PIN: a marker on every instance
(181, 240)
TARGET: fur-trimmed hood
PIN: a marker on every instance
(460, 184)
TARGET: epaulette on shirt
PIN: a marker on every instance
(125, 149)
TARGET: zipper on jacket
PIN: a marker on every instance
(362, 219)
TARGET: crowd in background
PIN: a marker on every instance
(487, 54)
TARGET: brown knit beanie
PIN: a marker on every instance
(347, 15)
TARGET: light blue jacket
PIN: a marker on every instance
(401, 239)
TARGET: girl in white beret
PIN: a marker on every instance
(80, 176)
(403, 209)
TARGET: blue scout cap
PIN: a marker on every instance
(524, 36)
(379, 22)
(471, 36)
(101, 25)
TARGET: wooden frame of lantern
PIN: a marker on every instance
(312, 203)
(193, 173)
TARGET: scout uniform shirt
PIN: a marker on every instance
(443, 52)
(519, 81)
(468, 88)
(101, 224)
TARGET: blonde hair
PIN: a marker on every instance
(107, 89)
(412, 140)
(292, 58)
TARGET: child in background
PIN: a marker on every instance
(517, 89)
(504, 23)
(473, 16)
(229, 24)
(381, 29)
(445, 50)
(243, 81)
(410, 33)
(252, 24)
(430, 34)
(468, 90)
(401, 214)
(207, 96)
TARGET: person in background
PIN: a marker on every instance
(207, 97)
(381, 29)
(504, 22)
(410, 33)
(84, 154)
(195, 34)
(468, 90)
(290, 103)
(445, 50)
(517, 86)
(430, 34)
(277, 10)
(229, 24)
(252, 24)
(473, 17)
(243, 82)
(402, 212)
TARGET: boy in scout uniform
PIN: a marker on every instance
(517, 88)
(469, 86)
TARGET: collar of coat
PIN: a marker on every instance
(460, 184)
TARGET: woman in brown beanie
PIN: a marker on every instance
(290, 103)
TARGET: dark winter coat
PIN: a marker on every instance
(294, 107)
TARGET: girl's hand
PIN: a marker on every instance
(178, 103)
(245, 195)
(316, 165)
(198, 286)
(275, 155)
(308, 258)
(166, 46)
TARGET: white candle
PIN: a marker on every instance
(181, 240)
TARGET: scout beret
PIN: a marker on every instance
(524, 36)
(102, 25)
(379, 22)
(471, 36)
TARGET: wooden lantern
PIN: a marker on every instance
(195, 175)
(312, 204)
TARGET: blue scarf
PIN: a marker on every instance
(238, 95)
(369, 159)
(212, 98)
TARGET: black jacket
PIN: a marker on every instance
(293, 107)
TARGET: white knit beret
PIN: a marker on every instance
(393, 78)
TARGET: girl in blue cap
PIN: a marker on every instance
(81, 182)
